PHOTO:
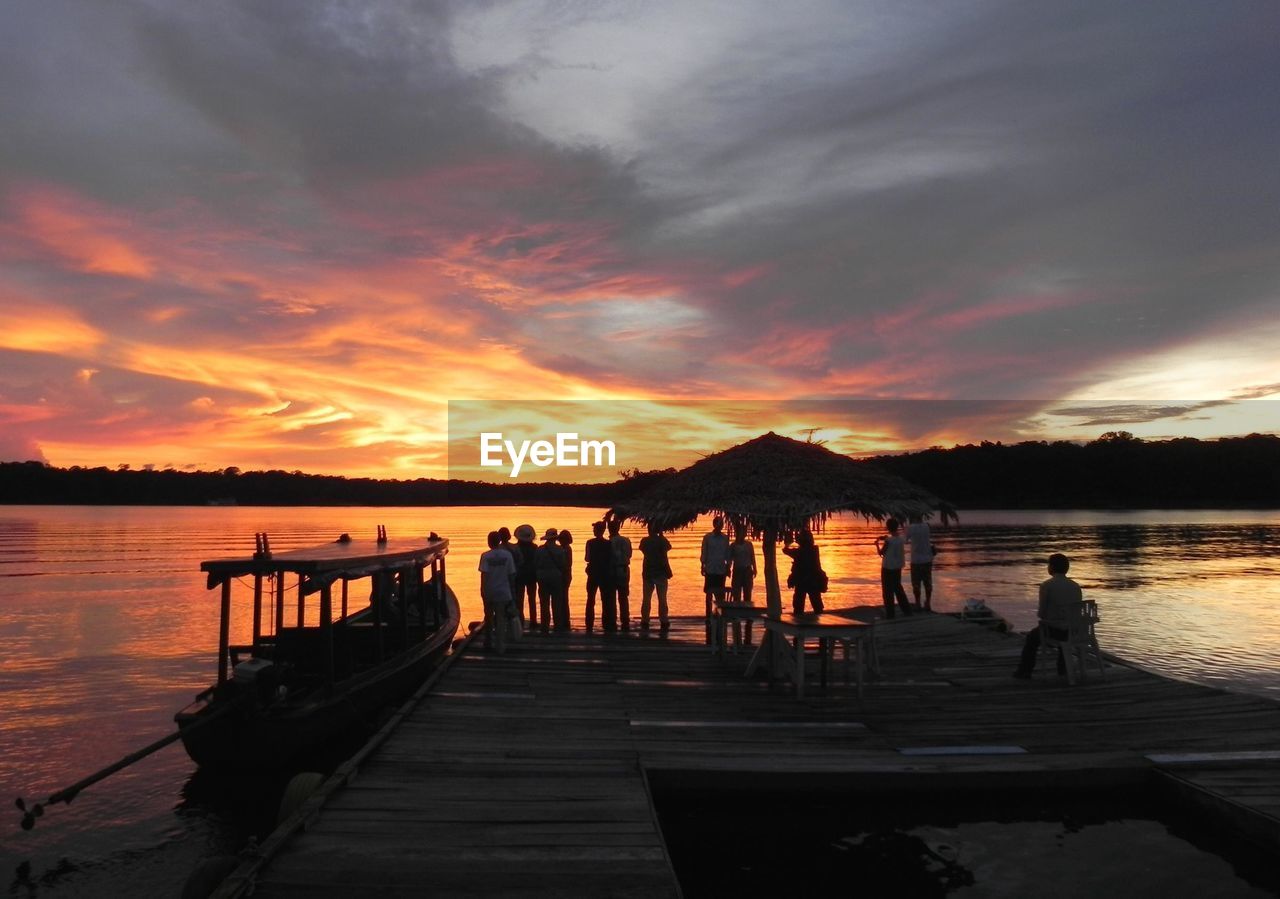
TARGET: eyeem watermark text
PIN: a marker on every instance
(566, 451)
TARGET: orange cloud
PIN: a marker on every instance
(40, 328)
(91, 238)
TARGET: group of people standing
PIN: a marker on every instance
(512, 574)
(892, 548)
(808, 580)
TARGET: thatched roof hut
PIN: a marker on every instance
(773, 486)
(779, 484)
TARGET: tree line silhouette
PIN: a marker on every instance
(1116, 471)
(36, 483)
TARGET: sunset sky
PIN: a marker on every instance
(286, 234)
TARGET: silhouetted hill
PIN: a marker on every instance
(1117, 471)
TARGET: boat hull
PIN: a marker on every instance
(234, 730)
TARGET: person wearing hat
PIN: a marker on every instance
(549, 561)
(527, 570)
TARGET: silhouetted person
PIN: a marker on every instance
(892, 558)
(504, 542)
(621, 571)
(497, 571)
(566, 544)
(714, 559)
(600, 577)
(527, 573)
(742, 552)
(806, 571)
(550, 563)
(1060, 599)
(920, 539)
(655, 573)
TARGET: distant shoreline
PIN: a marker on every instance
(1117, 472)
(552, 503)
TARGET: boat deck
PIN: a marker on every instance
(529, 774)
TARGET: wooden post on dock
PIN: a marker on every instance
(224, 630)
(257, 608)
(326, 627)
(279, 623)
(378, 599)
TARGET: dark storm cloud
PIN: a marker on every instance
(1107, 154)
(1105, 415)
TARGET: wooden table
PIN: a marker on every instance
(728, 612)
(826, 628)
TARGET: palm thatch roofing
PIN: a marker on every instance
(774, 483)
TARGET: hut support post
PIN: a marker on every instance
(772, 591)
(773, 647)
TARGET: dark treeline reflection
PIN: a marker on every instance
(1117, 471)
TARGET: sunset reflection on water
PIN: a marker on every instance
(109, 629)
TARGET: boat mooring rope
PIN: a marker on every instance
(30, 812)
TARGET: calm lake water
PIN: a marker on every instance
(108, 629)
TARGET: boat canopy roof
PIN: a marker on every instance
(356, 558)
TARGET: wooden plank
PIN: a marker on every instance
(526, 774)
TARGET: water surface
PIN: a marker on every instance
(108, 629)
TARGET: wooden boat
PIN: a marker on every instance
(319, 664)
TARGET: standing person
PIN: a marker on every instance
(621, 571)
(1060, 600)
(497, 572)
(892, 558)
(714, 560)
(806, 571)
(743, 555)
(550, 564)
(566, 545)
(600, 573)
(527, 575)
(921, 541)
(504, 542)
(655, 573)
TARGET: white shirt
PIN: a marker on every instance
(893, 553)
(921, 542)
(715, 553)
(498, 569)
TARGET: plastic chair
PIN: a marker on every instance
(1081, 641)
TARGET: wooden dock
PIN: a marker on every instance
(529, 774)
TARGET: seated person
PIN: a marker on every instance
(1060, 599)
